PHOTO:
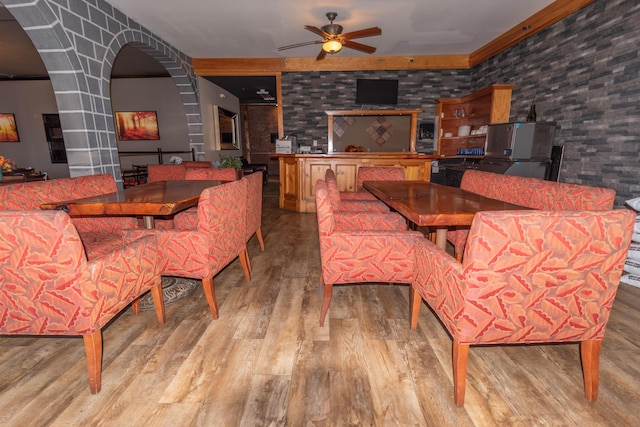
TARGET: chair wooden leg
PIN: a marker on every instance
(459, 256)
(590, 354)
(328, 288)
(135, 306)
(158, 301)
(460, 358)
(246, 255)
(246, 264)
(259, 234)
(415, 301)
(93, 350)
(207, 285)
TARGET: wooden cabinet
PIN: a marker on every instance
(289, 183)
(300, 172)
(489, 105)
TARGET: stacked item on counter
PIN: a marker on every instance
(631, 274)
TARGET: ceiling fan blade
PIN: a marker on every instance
(321, 55)
(359, 46)
(367, 32)
(317, 31)
(291, 46)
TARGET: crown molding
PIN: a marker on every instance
(548, 16)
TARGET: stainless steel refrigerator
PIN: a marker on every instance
(519, 148)
(516, 148)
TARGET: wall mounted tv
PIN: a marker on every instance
(377, 91)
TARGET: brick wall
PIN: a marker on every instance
(262, 121)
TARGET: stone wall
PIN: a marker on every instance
(306, 96)
(78, 42)
(582, 73)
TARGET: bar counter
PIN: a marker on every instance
(299, 173)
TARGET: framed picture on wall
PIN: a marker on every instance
(137, 126)
(8, 128)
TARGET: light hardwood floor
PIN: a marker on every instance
(266, 361)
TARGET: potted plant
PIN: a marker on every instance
(232, 162)
(7, 164)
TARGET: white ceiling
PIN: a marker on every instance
(256, 28)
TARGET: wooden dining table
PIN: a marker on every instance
(432, 205)
(154, 199)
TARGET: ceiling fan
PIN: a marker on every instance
(333, 39)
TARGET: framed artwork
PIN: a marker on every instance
(8, 128)
(137, 125)
(226, 124)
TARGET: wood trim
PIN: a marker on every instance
(279, 105)
(365, 155)
(264, 66)
(551, 14)
(371, 112)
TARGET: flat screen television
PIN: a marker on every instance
(377, 91)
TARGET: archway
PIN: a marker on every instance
(79, 62)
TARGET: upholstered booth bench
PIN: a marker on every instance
(99, 234)
(532, 193)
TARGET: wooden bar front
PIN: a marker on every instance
(299, 173)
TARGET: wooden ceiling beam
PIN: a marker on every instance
(261, 66)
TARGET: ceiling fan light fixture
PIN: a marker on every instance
(332, 46)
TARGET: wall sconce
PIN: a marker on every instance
(332, 46)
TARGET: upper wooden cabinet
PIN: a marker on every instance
(489, 105)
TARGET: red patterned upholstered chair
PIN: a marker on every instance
(100, 235)
(254, 210)
(188, 219)
(173, 172)
(198, 164)
(364, 220)
(372, 173)
(359, 255)
(47, 286)
(350, 205)
(530, 192)
(217, 239)
(220, 174)
(166, 172)
(527, 277)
